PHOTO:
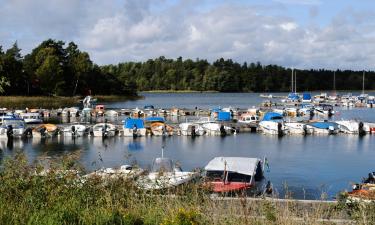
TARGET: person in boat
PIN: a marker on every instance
(370, 179)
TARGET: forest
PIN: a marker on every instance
(54, 68)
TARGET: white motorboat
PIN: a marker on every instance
(12, 127)
(352, 127)
(70, 112)
(75, 130)
(191, 129)
(124, 172)
(214, 128)
(104, 130)
(31, 118)
(324, 127)
(111, 113)
(164, 174)
(272, 123)
(249, 118)
(298, 128)
(325, 109)
(134, 128)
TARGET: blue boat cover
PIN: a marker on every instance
(155, 119)
(218, 109)
(306, 96)
(324, 125)
(293, 96)
(223, 116)
(272, 116)
(148, 107)
(129, 123)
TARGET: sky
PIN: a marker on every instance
(303, 34)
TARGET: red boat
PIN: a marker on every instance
(233, 174)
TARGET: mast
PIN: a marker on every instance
(363, 83)
(295, 81)
(334, 82)
(292, 79)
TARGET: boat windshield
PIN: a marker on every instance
(13, 123)
(232, 176)
(162, 165)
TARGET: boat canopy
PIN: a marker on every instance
(241, 165)
(293, 96)
(306, 96)
(272, 116)
(155, 119)
(324, 125)
(130, 123)
(148, 107)
(223, 116)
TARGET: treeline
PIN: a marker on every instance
(56, 68)
(53, 68)
(229, 76)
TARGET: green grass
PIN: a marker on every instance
(32, 102)
(54, 199)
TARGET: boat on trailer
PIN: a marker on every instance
(233, 174)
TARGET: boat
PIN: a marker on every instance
(99, 110)
(70, 112)
(31, 118)
(320, 98)
(123, 172)
(164, 174)
(111, 113)
(104, 130)
(45, 130)
(134, 128)
(231, 110)
(298, 128)
(364, 192)
(273, 123)
(191, 129)
(233, 174)
(12, 127)
(351, 127)
(306, 98)
(75, 130)
(325, 109)
(249, 118)
(213, 128)
(324, 127)
(158, 126)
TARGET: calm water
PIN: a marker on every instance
(308, 165)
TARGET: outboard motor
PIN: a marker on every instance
(304, 129)
(10, 131)
(331, 129)
(73, 131)
(104, 131)
(43, 132)
(135, 131)
(361, 130)
(28, 132)
(311, 114)
(279, 129)
(193, 132)
(330, 112)
(222, 131)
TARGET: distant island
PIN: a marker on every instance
(56, 69)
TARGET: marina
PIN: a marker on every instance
(307, 165)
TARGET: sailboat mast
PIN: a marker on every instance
(292, 80)
(334, 81)
(295, 81)
(363, 83)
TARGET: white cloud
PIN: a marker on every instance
(288, 26)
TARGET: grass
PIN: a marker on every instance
(54, 199)
(22, 102)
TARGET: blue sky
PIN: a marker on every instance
(295, 33)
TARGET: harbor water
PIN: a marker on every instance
(306, 166)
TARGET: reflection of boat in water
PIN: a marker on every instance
(233, 174)
(164, 174)
(104, 130)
